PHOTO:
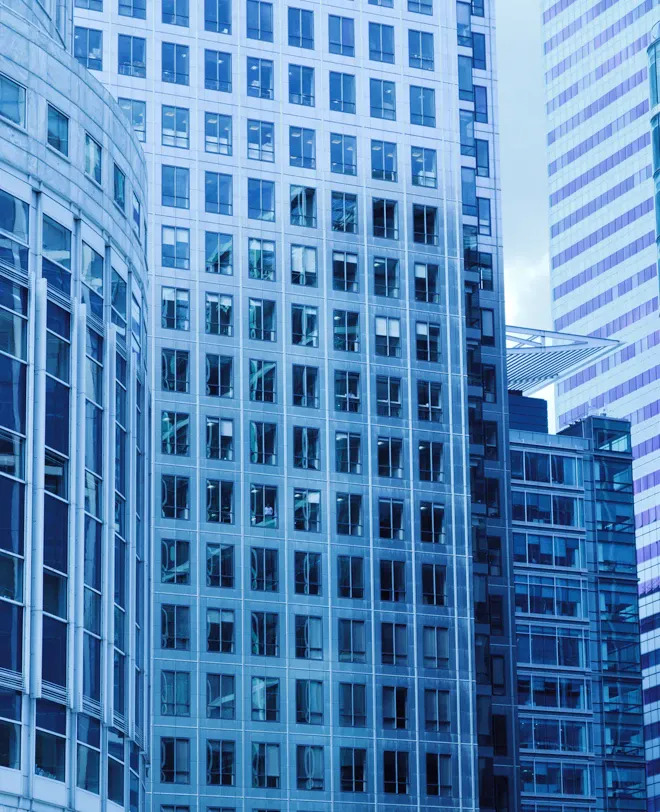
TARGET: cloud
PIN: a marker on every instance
(527, 291)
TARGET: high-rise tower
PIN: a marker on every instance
(313, 595)
(73, 429)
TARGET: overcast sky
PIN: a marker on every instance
(523, 162)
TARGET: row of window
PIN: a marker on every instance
(305, 380)
(264, 637)
(221, 767)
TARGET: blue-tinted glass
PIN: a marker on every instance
(12, 520)
(56, 519)
(57, 415)
(12, 394)
(53, 662)
(91, 667)
(11, 636)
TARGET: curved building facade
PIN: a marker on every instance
(73, 430)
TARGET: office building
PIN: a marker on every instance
(73, 413)
(603, 254)
(311, 185)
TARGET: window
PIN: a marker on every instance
(220, 763)
(263, 443)
(487, 327)
(132, 56)
(382, 98)
(127, 8)
(174, 432)
(175, 309)
(429, 401)
(218, 133)
(308, 637)
(265, 699)
(427, 336)
(468, 145)
(306, 448)
(420, 50)
(220, 631)
(390, 457)
(348, 453)
(390, 519)
(304, 266)
(422, 106)
(491, 451)
(219, 439)
(301, 85)
(386, 277)
(395, 772)
(58, 128)
(50, 740)
(342, 92)
(433, 584)
(343, 154)
(478, 51)
(489, 382)
(310, 768)
(261, 259)
(309, 702)
(265, 634)
(307, 573)
(217, 71)
(350, 577)
(219, 501)
(483, 214)
(301, 28)
(438, 774)
(424, 169)
(175, 247)
(349, 514)
(346, 331)
(12, 95)
(388, 337)
(220, 565)
(388, 396)
(219, 376)
(93, 158)
(304, 326)
(345, 271)
(344, 215)
(385, 218)
(175, 63)
(175, 693)
(483, 161)
(352, 769)
(395, 707)
(263, 506)
(392, 581)
(175, 371)
(119, 187)
(347, 391)
(175, 189)
(303, 206)
(260, 20)
(352, 641)
(436, 710)
(341, 35)
(430, 461)
(261, 200)
(175, 562)
(381, 43)
(383, 160)
(174, 627)
(136, 111)
(87, 49)
(262, 381)
(307, 510)
(175, 12)
(352, 704)
(264, 575)
(427, 282)
(175, 127)
(174, 497)
(302, 147)
(217, 16)
(431, 523)
(218, 314)
(435, 646)
(305, 386)
(261, 140)
(265, 766)
(174, 761)
(261, 319)
(218, 193)
(480, 104)
(425, 224)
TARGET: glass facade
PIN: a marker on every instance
(579, 685)
(74, 414)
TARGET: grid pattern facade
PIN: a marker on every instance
(313, 598)
(73, 435)
(602, 245)
(579, 685)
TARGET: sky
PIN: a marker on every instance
(523, 163)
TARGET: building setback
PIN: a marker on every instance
(74, 639)
(313, 188)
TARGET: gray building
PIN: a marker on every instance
(73, 442)
(316, 173)
(579, 685)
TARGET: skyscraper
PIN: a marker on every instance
(73, 441)
(313, 187)
(602, 244)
